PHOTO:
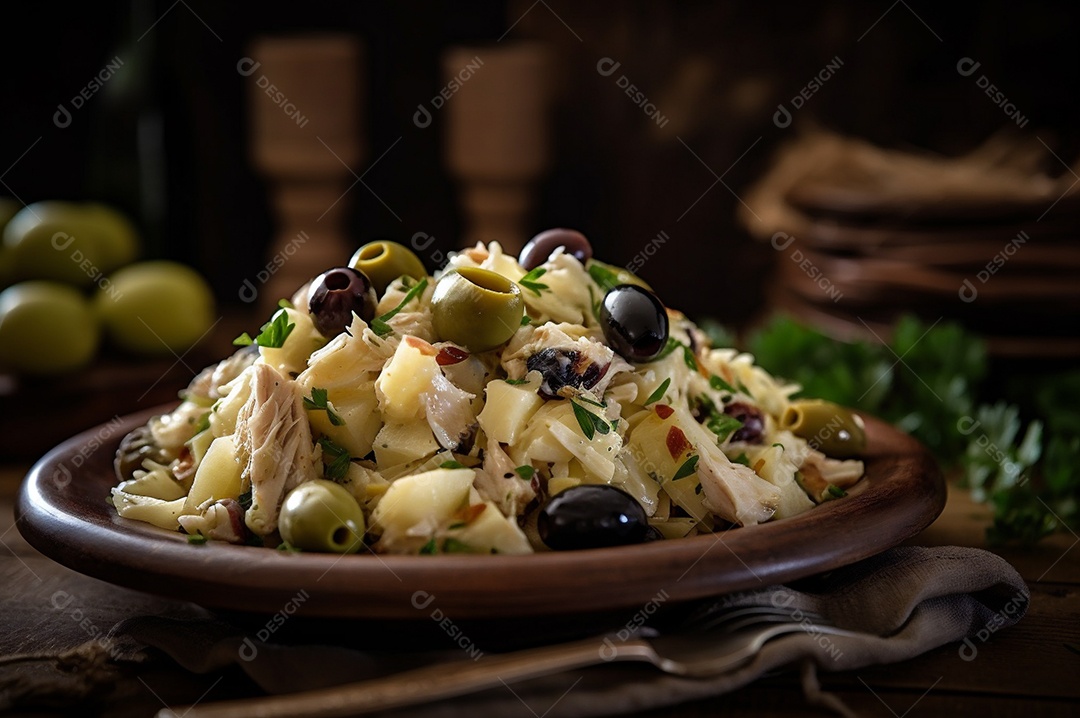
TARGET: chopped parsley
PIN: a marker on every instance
(203, 423)
(688, 358)
(272, 335)
(525, 320)
(741, 459)
(318, 401)
(607, 279)
(720, 385)
(525, 471)
(672, 345)
(285, 304)
(452, 545)
(530, 283)
(196, 539)
(590, 423)
(379, 324)
(588, 400)
(836, 491)
(723, 425)
(717, 422)
(430, 548)
(688, 467)
(338, 466)
(516, 382)
(452, 465)
(659, 392)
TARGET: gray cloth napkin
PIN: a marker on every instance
(907, 600)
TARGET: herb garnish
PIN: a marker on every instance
(452, 465)
(741, 459)
(590, 423)
(319, 401)
(525, 319)
(272, 335)
(525, 471)
(196, 539)
(836, 491)
(723, 425)
(607, 279)
(203, 423)
(530, 283)
(688, 467)
(379, 324)
(659, 392)
(720, 385)
(516, 382)
(338, 466)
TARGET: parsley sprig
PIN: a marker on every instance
(338, 466)
(530, 283)
(607, 279)
(379, 324)
(272, 335)
(317, 401)
(658, 394)
(688, 467)
(590, 423)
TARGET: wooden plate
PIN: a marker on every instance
(62, 512)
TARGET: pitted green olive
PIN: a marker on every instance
(621, 274)
(476, 308)
(827, 427)
(322, 516)
(384, 261)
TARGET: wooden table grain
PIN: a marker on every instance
(1029, 669)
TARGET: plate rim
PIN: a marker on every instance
(224, 576)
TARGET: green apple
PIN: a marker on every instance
(69, 242)
(46, 328)
(155, 307)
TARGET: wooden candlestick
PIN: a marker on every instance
(498, 139)
(305, 108)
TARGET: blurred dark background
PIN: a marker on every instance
(716, 71)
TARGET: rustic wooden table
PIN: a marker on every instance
(1028, 669)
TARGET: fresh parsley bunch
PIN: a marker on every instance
(928, 380)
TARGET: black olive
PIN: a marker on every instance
(335, 295)
(133, 449)
(540, 247)
(634, 322)
(753, 422)
(591, 516)
(564, 367)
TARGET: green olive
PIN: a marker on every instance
(476, 308)
(827, 427)
(322, 516)
(384, 261)
(622, 275)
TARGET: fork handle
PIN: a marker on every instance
(425, 684)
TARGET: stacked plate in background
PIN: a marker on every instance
(863, 235)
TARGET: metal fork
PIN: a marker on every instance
(715, 643)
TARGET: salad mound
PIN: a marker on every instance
(503, 405)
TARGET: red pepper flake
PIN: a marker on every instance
(664, 411)
(421, 346)
(451, 355)
(677, 445)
